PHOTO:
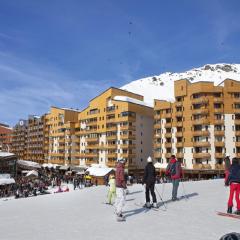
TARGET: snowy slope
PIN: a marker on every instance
(81, 214)
(162, 86)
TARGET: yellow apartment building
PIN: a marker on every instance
(59, 128)
(116, 124)
(200, 126)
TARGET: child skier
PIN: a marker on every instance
(234, 181)
(112, 189)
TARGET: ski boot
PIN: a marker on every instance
(148, 205)
(120, 218)
(155, 205)
(237, 212)
(229, 210)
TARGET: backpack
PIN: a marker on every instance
(173, 169)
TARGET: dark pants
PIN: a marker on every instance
(151, 189)
(175, 183)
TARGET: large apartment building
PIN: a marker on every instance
(201, 126)
(19, 139)
(35, 139)
(5, 137)
(59, 128)
(116, 124)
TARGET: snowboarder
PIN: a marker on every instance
(174, 170)
(149, 179)
(120, 189)
(234, 181)
(112, 189)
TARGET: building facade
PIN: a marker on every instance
(116, 124)
(35, 139)
(19, 139)
(5, 137)
(59, 128)
(201, 126)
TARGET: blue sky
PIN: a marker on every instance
(63, 53)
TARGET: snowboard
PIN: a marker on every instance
(231, 215)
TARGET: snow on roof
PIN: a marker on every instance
(71, 109)
(99, 171)
(28, 163)
(131, 100)
(6, 154)
(32, 173)
(5, 181)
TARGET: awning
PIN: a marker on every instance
(32, 173)
(99, 171)
(28, 164)
(64, 168)
(5, 181)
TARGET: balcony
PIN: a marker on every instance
(157, 126)
(126, 119)
(111, 129)
(236, 110)
(201, 133)
(201, 166)
(218, 122)
(199, 100)
(237, 144)
(237, 121)
(110, 120)
(237, 133)
(201, 122)
(218, 100)
(179, 134)
(92, 139)
(168, 145)
(96, 146)
(179, 144)
(201, 155)
(219, 144)
(111, 155)
(89, 162)
(203, 111)
(219, 166)
(178, 104)
(168, 155)
(166, 115)
(179, 124)
(168, 125)
(218, 110)
(111, 164)
(127, 136)
(219, 155)
(179, 155)
(111, 137)
(127, 127)
(111, 146)
(179, 114)
(92, 123)
(128, 155)
(124, 146)
(157, 145)
(157, 155)
(238, 154)
(168, 135)
(236, 100)
(157, 116)
(219, 133)
(201, 144)
(91, 155)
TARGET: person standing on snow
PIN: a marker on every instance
(120, 189)
(112, 189)
(149, 179)
(234, 181)
(174, 170)
(227, 163)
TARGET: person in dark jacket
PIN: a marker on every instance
(149, 179)
(174, 170)
(120, 189)
(234, 181)
(227, 164)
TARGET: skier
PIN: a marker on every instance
(120, 189)
(112, 189)
(149, 179)
(234, 181)
(174, 170)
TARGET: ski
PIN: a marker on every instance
(143, 205)
(231, 215)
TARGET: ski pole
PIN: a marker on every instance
(184, 192)
(161, 198)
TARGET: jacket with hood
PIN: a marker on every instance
(120, 179)
(149, 174)
(174, 169)
(234, 173)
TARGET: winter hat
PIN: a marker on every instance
(149, 159)
(121, 160)
(231, 236)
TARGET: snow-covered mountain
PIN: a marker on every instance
(162, 86)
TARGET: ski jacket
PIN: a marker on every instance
(120, 179)
(234, 174)
(174, 169)
(112, 185)
(149, 174)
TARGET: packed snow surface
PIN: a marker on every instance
(81, 214)
(162, 86)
